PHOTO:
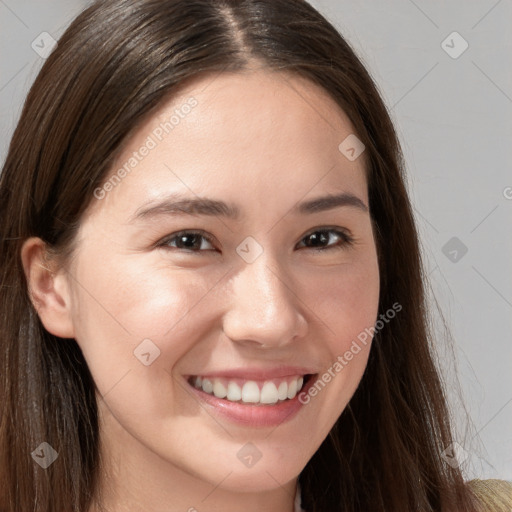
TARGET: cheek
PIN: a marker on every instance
(347, 305)
(346, 300)
(119, 308)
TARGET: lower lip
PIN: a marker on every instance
(254, 415)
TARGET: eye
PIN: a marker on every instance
(188, 241)
(318, 239)
(198, 241)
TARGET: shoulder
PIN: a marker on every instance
(494, 495)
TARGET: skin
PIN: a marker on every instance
(264, 141)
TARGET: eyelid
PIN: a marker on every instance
(209, 238)
(346, 239)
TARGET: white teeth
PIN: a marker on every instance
(269, 393)
(234, 392)
(207, 386)
(282, 391)
(219, 389)
(292, 389)
(250, 392)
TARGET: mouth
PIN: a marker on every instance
(253, 392)
(252, 402)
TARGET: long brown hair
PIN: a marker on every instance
(112, 68)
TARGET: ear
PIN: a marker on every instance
(48, 289)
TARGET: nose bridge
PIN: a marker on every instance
(263, 308)
(262, 284)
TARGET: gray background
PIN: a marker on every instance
(453, 116)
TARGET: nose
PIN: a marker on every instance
(264, 310)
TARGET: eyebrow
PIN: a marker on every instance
(179, 205)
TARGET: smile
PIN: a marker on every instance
(253, 397)
(268, 392)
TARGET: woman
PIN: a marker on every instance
(211, 288)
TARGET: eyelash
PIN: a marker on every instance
(345, 240)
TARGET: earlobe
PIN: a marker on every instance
(48, 289)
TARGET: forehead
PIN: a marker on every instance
(262, 137)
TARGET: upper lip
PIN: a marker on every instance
(257, 373)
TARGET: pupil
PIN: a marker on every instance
(322, 237)
(191, 238)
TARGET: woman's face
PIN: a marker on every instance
(198, 273)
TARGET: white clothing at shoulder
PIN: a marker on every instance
(298, 507)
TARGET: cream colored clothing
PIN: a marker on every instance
(493, 495)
